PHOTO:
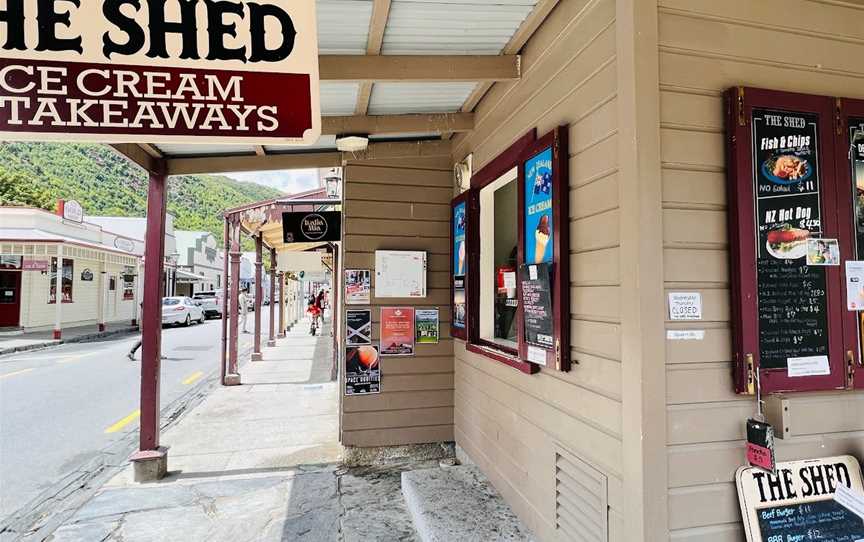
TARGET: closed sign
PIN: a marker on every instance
(685, 306)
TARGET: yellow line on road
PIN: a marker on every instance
(193, 377)
(124, 422)
(67, 359)
(13, 373)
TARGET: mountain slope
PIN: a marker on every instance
(105, 183)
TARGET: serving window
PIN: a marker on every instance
(516, 282)
(795, 208)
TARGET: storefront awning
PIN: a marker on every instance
(185, 277)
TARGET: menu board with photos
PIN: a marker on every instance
(792, 296)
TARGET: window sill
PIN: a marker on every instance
(501, 356)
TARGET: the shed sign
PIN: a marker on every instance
(172, 70)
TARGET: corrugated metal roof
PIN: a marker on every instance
(398, 98)
(477, 27)
(339, 98)
(343, 26)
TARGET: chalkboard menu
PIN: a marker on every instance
(818, 520)
(537, 316)
(797, 502)
(792, 296)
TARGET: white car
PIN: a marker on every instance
(181, 310)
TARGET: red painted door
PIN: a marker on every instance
(10, 298)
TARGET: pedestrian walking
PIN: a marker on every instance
(243, 309)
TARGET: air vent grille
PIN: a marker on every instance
(581, 500)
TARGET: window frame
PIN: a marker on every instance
(58, 274)
(846, 109)
(742, 245)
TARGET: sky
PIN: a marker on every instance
(288, 181)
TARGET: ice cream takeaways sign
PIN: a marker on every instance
(173, 70)
(538, 208)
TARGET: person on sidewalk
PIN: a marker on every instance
(243, 301)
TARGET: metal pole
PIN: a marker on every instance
(281, 305)
(259, 293)
(151, 460)
(226, 236)
(271, 338)
(233, 378)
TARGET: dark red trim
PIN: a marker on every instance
(851, 327)
(556, 140)
(498, 355)
(504, 162)
(459, 332)
(740, 104)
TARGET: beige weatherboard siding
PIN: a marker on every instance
(705, 47)
(402, 205)
(509, 423)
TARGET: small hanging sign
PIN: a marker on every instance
(760, 445)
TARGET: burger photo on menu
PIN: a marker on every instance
(787, 243)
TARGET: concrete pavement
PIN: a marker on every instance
(257, 462)
(70, 408)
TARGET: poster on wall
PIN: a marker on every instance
(537, 317)
(397, 331)
(105, 72)
(400, 273)
(426, 326)
(460, 218)
(362, 370)
(792, 295)
(460, 308)
(358, 327)
(538, 208)
(358, 286)
(798, 501)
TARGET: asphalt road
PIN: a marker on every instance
(60, 407)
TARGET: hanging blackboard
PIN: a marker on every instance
(797, 503)
(792, 296)
(537, 316)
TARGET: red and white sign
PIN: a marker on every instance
(397, 331)
(174, 71)
(34, 265)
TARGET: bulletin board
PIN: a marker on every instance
(400, 274)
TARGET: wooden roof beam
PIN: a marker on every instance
(394, 124)
(271, 162)
(441, 68)
(377, 24)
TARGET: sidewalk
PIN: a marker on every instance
(258, 461)
(10, 343)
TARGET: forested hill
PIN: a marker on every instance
(37, 174)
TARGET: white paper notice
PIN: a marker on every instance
(685, 306)
(854, 285)
(536, 355)
(532, 272)
(685, 334)
(509, 279)
(808, 366)
(850, 499)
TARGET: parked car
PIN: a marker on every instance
(211, 303)
(181, 310)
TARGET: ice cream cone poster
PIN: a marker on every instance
(459, 220)
(362, 370)
(538, 208)
(397, 331)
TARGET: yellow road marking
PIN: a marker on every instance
(124, 422)
(67, 359)
(193, 377)
(13, 373)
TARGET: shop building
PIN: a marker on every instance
(98, 271)
(199, 256)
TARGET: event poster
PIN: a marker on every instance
(426, 326)
(856, 155)
(362, 370)
(459, 220)
(792, 295)
(460, 308)
(538, 208)
(397, 331)
(358, 286)
(358, 327)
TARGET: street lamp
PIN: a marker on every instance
(331, 182)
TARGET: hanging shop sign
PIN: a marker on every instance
(798, 501)
(34, 265)
(397, 331)
(426, 326)
(178, 71)
(358, 286)
(760, 445)
(362, 370)
(312, 227)
(358, 327)
(538, 208)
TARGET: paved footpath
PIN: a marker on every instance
(257, 462)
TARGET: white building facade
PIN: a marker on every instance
(200, 256)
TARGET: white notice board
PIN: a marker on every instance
(400, 273)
